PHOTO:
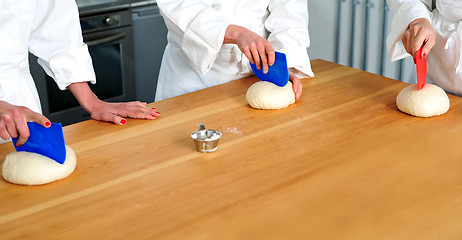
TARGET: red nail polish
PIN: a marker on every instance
(153, 116)
(47, 124)
(154, 109)
(123, 121)
(158, 112)
(424, 55)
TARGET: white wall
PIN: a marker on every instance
(323, 28)
(323, 33)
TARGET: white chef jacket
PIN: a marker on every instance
(444, 64)
(50, 30)
(195, 56)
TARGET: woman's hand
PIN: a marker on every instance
(110, 112)
(256, 48)
(296, 85)
(115, 112)
(13, 122)
(420, 32)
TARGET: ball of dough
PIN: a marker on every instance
(28, 168)
(430, 101)
(266, 95)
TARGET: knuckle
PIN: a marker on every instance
(414, 29)
(141, 109)
(22, 109)
(18, 112)
(6, 118)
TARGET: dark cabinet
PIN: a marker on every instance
(150, 39)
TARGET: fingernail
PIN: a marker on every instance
(424, 55)
(47, 124)
(123, 121)
(153, 116)
(158, 112)
(154, 109)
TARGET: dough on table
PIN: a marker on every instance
(266, 95)
(430, 101)
(28, 168)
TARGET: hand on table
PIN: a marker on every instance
(256, 48)
(13, 122)
(420, 32)
(115, 112)
(110, 112)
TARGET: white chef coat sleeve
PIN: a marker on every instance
(404, 12)
(56, 39)
(287, 25)
(201, 29)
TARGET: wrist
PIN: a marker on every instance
(232, 34)
(91, 104)
(86, 98)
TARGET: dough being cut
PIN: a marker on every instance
(266, 95)
(430, 101)
(28, 168)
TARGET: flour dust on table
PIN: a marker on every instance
(266, 95)
(430, 101)
(27, 168)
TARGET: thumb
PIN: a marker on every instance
(109, 117)
(118, 120)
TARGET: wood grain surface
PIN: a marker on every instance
(341, 163)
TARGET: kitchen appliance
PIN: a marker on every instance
(150, 38)
(109, 37)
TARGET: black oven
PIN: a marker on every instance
(109, 38)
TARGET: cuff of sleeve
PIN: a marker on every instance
(298, 59)
(403, 17)
(71, 66)
(202, 41)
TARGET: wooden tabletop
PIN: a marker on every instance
(341, 163)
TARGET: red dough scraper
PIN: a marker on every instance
(421, 65)
(45, 141)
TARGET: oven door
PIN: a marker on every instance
(112, 56)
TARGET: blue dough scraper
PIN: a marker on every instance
(277, 74)
(46, 141)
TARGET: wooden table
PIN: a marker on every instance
(341, 163)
